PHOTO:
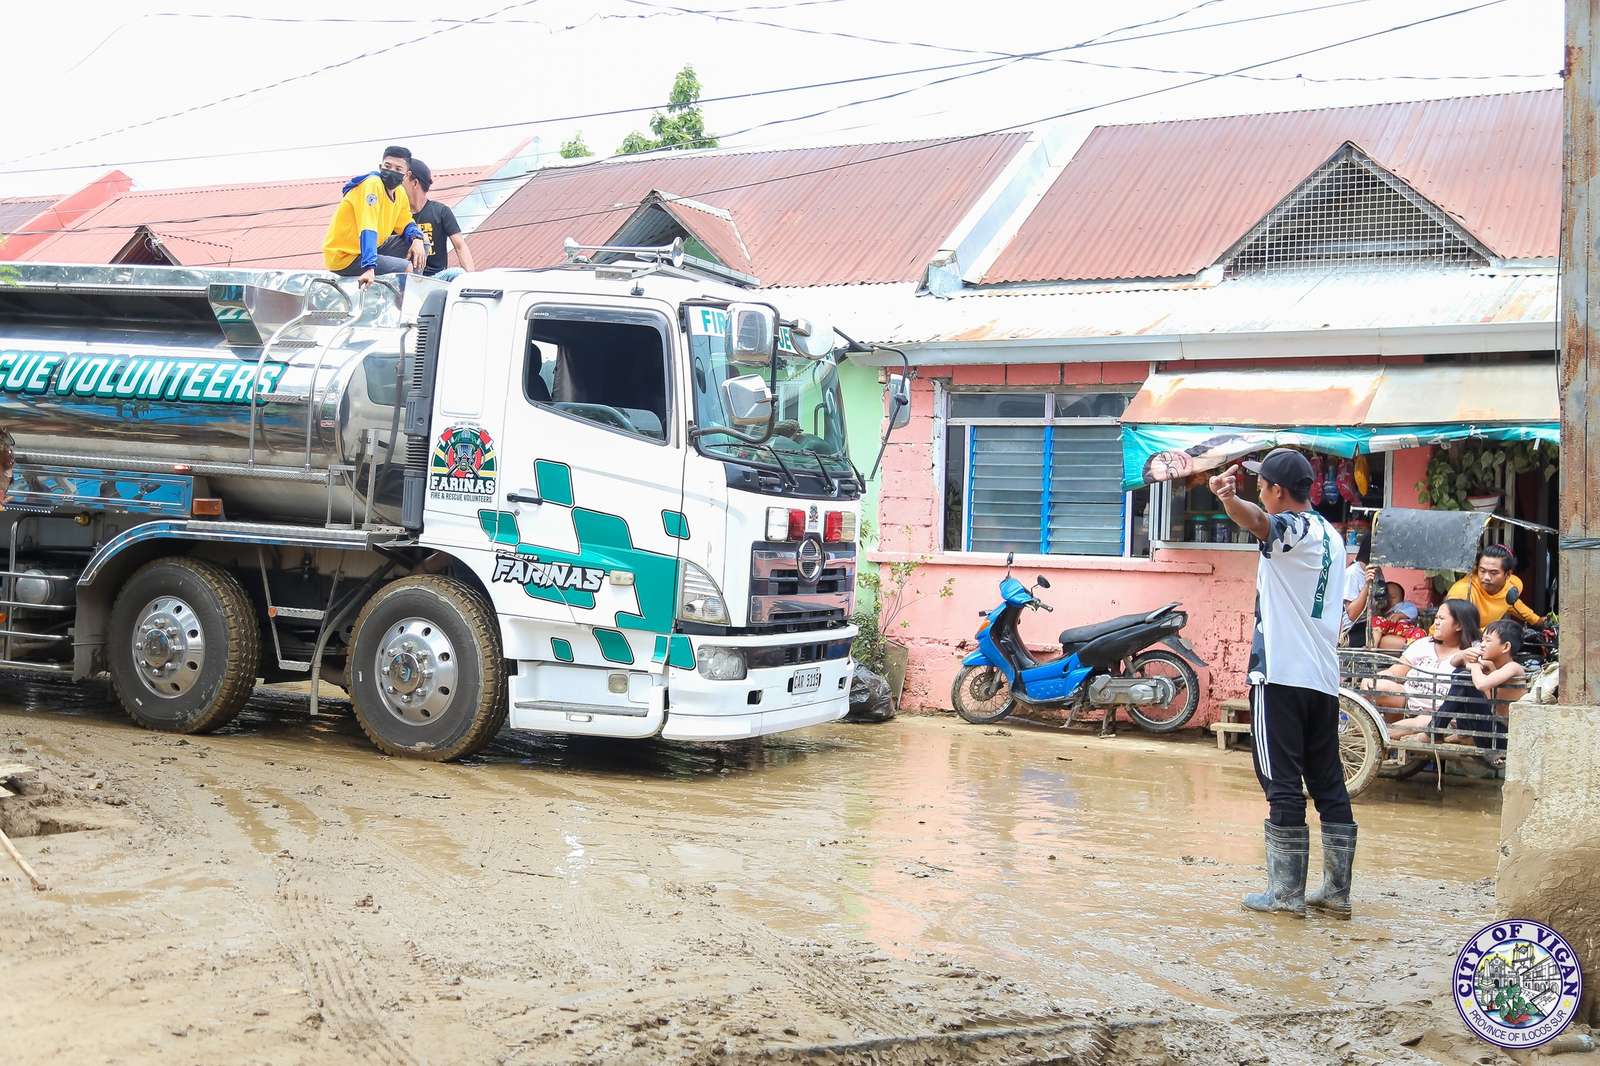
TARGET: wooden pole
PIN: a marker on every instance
(1580, 362)
(38, 882)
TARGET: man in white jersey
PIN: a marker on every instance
(1294, 683)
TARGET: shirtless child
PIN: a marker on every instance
(1500, 679)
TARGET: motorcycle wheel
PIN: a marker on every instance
(1176, 713)
(981, 694)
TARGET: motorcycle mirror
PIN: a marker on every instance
(1044, 584)
(1010, 558)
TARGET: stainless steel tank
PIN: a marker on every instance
(280, 390)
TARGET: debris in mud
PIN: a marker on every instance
(1198, 860)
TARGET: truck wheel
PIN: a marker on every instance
(427, 678)
(184, 646)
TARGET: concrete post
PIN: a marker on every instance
(1550, 824)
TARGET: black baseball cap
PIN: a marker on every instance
(420, 171)
(1282, 466)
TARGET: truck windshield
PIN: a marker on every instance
(809, 431)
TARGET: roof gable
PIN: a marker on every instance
(1351, 210)
(710, 234)
(1169, 199)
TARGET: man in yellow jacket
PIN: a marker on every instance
(374, 207)
(1488, 587)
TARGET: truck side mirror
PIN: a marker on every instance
(899, 401)
(748, 399)
(752, 333)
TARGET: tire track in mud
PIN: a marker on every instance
(337, 977)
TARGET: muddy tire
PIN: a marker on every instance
(1360, 747)
(427, 678)
(184, 646)
(981, 695)
(1183, 705)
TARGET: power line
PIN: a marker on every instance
(614, 112)
(924, 146)
(195, 108)
(987, 133)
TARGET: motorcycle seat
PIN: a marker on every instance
(1084, 634)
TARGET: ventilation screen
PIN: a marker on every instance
(1351, 215)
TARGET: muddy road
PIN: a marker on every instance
(920, 891)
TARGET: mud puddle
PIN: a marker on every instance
(918, 891)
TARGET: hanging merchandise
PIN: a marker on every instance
(1316, 480)
(1363, 475)
(1345, 479)
(1328, 472)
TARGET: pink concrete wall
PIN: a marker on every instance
(938, 615)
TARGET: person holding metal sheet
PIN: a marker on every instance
(1294, 683)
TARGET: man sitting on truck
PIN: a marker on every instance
(374, 207)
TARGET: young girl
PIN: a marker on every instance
(1422, 679)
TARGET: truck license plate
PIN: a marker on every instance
(806, 680)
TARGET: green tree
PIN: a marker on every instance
(681, 125)
(574, 148)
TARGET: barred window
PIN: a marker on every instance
(1040, 473)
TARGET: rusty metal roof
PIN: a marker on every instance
(846, 215)
(1475, 393)
(1167, 199)
(277, 225)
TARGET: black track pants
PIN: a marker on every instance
(1295, 733)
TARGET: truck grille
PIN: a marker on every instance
(781, 595)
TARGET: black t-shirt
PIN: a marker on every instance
(438, 224)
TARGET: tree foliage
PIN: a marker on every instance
(681, 125)
(574, 147)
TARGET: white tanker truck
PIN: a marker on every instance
(612, 498)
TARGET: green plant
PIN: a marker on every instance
(888, 595)
(1478, 468)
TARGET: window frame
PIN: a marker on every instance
(944, 420)
(1161, 513)
(607, 315)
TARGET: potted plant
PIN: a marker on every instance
(1471, 474)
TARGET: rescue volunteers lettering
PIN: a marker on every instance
(135, 377)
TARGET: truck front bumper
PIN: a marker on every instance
(762, 702)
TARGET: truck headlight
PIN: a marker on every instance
(720, 664)
(699, 598)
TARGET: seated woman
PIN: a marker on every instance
(1422, 679)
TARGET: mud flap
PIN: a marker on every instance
(1182, 646)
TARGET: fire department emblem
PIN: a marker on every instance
(463, 466)
(1517, 983)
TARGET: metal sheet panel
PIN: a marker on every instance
(1427, 540)
(1474, 393)
(1166, 199)
(16, 211)
(846, 215)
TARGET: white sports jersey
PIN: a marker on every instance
(1299, 602)
(1355, 576)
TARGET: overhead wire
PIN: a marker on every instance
(918, 147)
(1094, 42)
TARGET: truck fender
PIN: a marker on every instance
(1367, 708)
(220, 532)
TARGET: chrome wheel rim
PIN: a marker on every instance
(416, 671)
(169, 647)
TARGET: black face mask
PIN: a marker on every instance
(391, 179)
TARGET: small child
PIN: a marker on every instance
(1499, 680)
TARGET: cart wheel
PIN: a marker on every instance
(1360, 746)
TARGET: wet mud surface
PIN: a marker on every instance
(921, 891)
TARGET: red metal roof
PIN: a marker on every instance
(813, 216)
(1166, 199)
(278, 225)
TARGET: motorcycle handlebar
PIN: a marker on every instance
(1041, 605)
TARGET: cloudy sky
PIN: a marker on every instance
(139, 85)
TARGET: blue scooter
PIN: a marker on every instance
(1101, 667)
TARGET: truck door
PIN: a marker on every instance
(590, 517)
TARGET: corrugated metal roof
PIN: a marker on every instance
(15, 211)
(1303, 304)
(1480, 393)
(1166, 199)
(278, 225)
(813, 216)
